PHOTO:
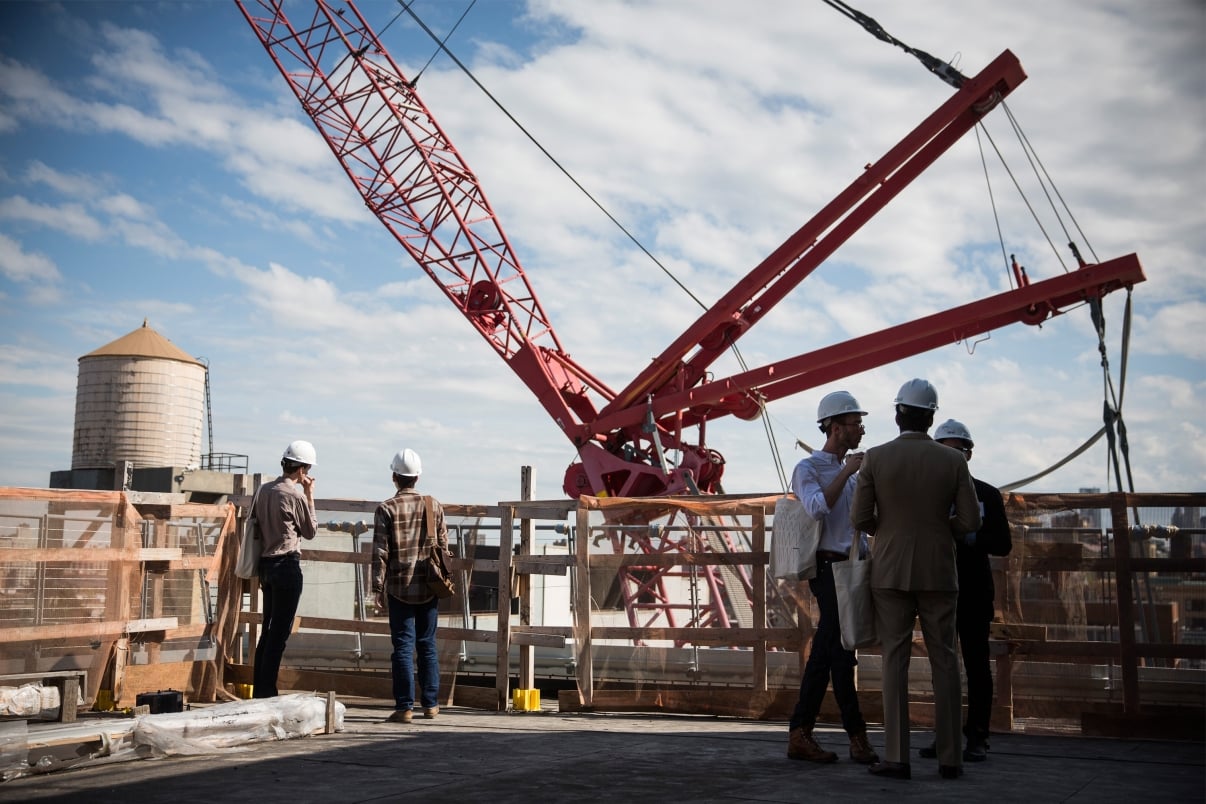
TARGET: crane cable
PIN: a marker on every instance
(531, 138)
(1114, 427)
(443, 46)
(1112, 414)
(405, 9)
(942, 69)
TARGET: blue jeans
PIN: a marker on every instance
(412, 628)
(827, 661)
(281, 582)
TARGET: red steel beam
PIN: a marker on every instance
(1032, 304)
(767, 284)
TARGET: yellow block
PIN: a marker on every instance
(525, 700)
(104, 701)
(243, 690)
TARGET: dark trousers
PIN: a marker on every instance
(412, 630)
(281, 582)
(973, 643)
(828, 660)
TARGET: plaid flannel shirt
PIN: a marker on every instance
(399, 541)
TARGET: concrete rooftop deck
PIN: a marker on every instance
(548, 756)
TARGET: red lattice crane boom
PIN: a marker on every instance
(412, 177)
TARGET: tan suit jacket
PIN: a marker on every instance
(904, 496)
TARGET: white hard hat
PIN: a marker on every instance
(837, 404)
(406, 462)
(918, 393)
(953, 429)
(300, 452)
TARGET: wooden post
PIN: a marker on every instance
(69, 696)
(758, 582)
(503, 662)
(527, 655)
(126, 534)
(1127, 658)
(154, 589)
(582, 650)
(251, 585)
(227, 582)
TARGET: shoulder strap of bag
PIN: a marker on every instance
(251, 512)
(429, 521)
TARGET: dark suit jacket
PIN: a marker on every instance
(976, 592)
(904, 496)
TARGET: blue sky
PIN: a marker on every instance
(154, 165)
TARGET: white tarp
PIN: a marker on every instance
(31, 700)
(203, 730)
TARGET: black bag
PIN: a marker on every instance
(439, 578)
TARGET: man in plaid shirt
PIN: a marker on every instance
(400, 539)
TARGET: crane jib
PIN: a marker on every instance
(419, 187)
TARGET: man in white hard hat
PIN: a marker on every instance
(403, 528)
(976, 596)
(285, 510)
(824, 482)
(904, 497)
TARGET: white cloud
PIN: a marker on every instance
(20, 266)
(75, 186)
(122, 205)
(72, 219)
(1177, 329)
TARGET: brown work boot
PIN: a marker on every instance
(861, 750)
(801, 745)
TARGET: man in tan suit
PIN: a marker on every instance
(913, 495)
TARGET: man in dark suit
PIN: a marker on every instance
(976, 596)
(904, 497)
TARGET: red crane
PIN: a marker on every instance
(416, 182)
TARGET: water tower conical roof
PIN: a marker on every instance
(143, 342)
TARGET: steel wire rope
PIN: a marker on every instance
(1046, 175)
(944, 70)
(442, 46)
(1022, 193)
(1115, 427)
(531, 138)
(1112, 403)
(992, 201)
(406, 8)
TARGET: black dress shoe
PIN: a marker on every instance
(929, 752)
(976, 751)
(891, 770)
(950, 771)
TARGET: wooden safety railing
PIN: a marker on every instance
(93, 579)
